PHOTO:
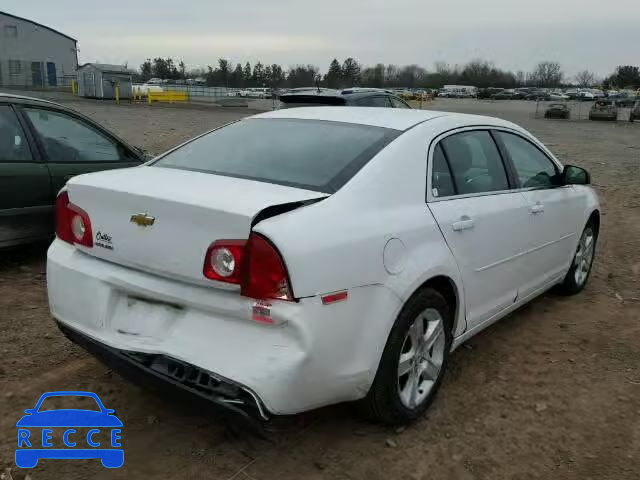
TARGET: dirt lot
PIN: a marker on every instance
(552, 392)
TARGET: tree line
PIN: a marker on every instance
(350, 72)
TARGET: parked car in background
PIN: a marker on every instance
(604, 110)
(460, 91)
(504, 95)
(257, 93)
(625, 98)
(42, 145)
(445, 94)
(572, 93)
(557, 110)
(355, 97)
(558, 96)
(538, 95)
(485, 93)
(585, 95)
(346, 272)
(635, 112)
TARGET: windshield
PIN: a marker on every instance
(66, 402)
(310, 154)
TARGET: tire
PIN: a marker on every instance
(579, 272)
(396, 399)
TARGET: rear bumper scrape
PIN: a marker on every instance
(165, 371)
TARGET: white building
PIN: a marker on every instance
(34, 55)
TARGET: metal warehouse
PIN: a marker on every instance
(33, 55)
(99, 80)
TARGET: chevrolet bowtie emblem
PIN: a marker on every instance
(142, 219)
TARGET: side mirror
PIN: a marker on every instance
(572, 175)
(109, 411)
(29, 411)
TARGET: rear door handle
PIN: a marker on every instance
(537, 208)
(465, 223)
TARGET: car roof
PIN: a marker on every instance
(353, 92)
(23, 99)
(394, 118)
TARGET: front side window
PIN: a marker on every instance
(13, 144)
(68, 139)
(533, 168)
(312, 154)
(475, 163)
(377, 101)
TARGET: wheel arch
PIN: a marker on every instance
(448, 288)
(595, 219)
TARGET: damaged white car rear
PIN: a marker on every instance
(311, 256)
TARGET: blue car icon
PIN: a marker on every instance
(32, 446)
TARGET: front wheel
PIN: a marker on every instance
(413, 361)
(578, 274)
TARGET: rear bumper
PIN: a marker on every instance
(166, 373)
(312, 355)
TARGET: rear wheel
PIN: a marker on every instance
(580, 269)
(413, 362)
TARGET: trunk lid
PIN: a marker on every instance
(162, 220)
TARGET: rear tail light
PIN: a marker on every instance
(223, 260)
(72, 223)
(255, 265)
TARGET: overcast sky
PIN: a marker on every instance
(515, 34)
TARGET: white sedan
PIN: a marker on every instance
(310, 256)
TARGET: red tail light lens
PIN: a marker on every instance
(72, 223)
(254, 264)
(264, 275)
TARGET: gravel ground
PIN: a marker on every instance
(552, 391)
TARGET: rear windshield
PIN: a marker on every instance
(291, 101)
(311, 154)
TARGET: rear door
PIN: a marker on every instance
(483, 220)
(554, 211)
(26, 207)
(71, 145)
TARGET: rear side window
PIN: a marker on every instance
(377, 101)
(312, 154)
(67, 139)
(442, 182)
(475, 163)
(13, 144)
(397, 103)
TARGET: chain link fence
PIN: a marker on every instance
(26, 75)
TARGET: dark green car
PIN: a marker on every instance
(42, 145)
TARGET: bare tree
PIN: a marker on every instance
(585, 78)
(547, 74)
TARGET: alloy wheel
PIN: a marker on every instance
(421, 358)
(584, 256)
